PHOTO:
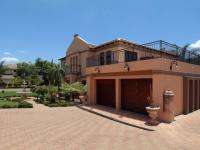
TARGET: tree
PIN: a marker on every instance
(2, 69)
(190, 55)
(44, 67)
(56, 74)
(29, 73)
(183, 51)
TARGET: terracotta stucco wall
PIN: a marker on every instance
(151, 64)
(77, 45)
(81, 61)
(82, 57)
(162, 82)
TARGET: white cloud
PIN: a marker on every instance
(21, 51)
(195, 45)
(7, 53)
(9, 59)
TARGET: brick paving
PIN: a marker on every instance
(72, 128)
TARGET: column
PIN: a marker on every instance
(118, 94)
(90, 90)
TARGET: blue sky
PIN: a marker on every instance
(45, 28)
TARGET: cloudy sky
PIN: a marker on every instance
(45, 28)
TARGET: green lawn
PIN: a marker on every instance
(14, 104)
(14, 94)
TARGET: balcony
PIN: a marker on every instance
(72, 69)
(121, 56)
(116, 57)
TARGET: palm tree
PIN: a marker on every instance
(58, 75)
(191, 55)
(183, 51)
(55, 76)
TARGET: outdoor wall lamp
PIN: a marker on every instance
(97, 70)
(126, 67)
(173, 62)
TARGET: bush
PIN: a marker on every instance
(24, 104)
(73, 89)
(17, 103)
(39, 92)
(52, 94)
(8, 106)
(80, 88)
(53, 105)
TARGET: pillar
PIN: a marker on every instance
(91, 90)
(118, 94)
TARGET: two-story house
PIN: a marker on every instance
(81, 54)
(10, 73)
(122, 74)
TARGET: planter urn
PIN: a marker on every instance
(83, 99)
(153, 114)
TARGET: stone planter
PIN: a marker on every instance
(153, 114)
(83, 99)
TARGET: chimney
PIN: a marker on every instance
(75, 35)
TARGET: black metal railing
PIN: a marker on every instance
(72, 69)
(163, 46)
(189, 57)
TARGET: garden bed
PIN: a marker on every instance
(16, 103)
(58, 103)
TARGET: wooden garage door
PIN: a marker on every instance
(191, 94)
(106, 92)
(134, 94)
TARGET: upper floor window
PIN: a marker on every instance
(108, 57)
(76, 60)
(130, 56)
(102, 58)
(74, 63)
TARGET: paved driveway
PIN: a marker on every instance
(73, 128)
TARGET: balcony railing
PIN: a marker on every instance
(122, 56)
(72, 69)
(117, 57)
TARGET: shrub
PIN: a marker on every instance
(52, 94)
(72, 89)
(24, 104)
(80, 88)
(8, 106)
(16, 103)
(39, 91)
(53, 105)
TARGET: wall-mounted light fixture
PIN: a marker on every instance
(173, 62)
(126, 67)
(97, 70)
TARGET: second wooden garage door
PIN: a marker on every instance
(106, 92)
(134, 94)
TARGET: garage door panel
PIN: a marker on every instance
(135, 93)
(106, 92)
